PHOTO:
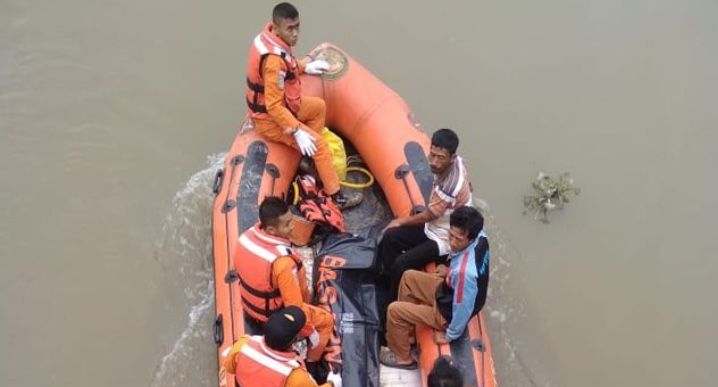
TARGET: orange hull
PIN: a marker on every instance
(379, 124)
(254, 168)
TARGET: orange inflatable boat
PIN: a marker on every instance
(379, 126)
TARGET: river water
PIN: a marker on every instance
(115, 115)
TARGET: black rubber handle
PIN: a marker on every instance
(218, 179)
(219, 330)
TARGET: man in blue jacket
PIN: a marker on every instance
(445, 300)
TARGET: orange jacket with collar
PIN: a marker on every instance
(254, 364)
(271, 275)
(273, 84)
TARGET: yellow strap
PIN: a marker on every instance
(296, 193)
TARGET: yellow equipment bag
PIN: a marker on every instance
(339, 154)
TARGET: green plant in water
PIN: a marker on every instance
(549, 194)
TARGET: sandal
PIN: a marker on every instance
(388, 358)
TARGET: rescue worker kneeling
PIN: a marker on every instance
(268, 361)
(272, 277)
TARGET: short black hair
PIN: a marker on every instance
(284, 11)
(468, 219)
(271, 209)
(446, 139)
(445, 374)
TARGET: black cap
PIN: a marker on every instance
(283, 326)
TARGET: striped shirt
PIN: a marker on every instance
(450, 191)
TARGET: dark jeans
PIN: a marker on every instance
(402, 249)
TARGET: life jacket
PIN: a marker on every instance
(266, 43)
(254, 258)
(316, 205)
(257, 365)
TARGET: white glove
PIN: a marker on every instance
(314, 339)
(335, 378)
(305, 142)
(316, 67)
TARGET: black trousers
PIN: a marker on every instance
(402, 249)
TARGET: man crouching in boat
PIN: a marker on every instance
(272, 277)
(444, 301)
(274, 95)
(269, 361)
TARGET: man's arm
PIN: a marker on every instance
(286, 276)
(465, 291)
(229, 362)
(412, 220)
(304, 62)
(437, 207)
(274, 93)
(299, 377)
(303, 287)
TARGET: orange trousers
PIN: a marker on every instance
(416, 305)
(311, 113)
(323, 322)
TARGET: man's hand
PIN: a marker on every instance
(314, 338)
(441, 270)
(316, 67)
(392, 224)
(440, 337)
(305, 142)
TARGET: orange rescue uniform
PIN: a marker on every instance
(286, 275)
(271, 65)
(254, 364)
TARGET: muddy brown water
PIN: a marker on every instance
(114, 116)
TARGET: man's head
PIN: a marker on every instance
(275, 217)
(285, 23)
(445, 374)
(444, 143)
(283, 327)
(465, 224)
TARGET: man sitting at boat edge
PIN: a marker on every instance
(272, 276)
(413, 241)
(274, 95)
(445, 300)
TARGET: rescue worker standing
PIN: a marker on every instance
(279, 111)
(269, 361)
(272, 276)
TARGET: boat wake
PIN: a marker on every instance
(185, 252)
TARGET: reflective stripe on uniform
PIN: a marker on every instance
(259, 45)
(268, 359)
(256, 249)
